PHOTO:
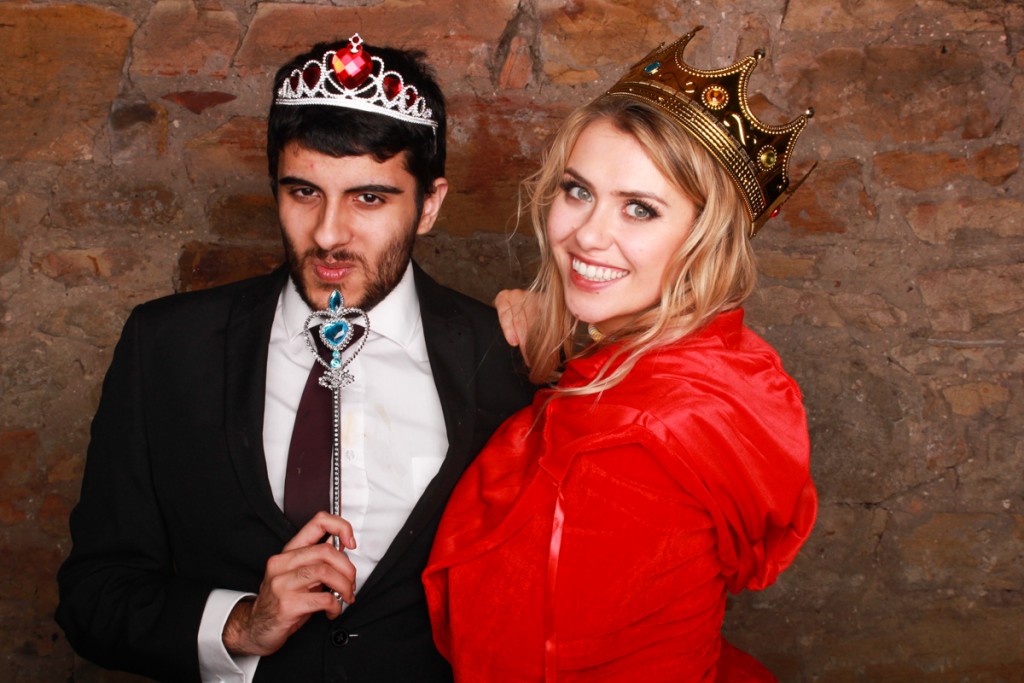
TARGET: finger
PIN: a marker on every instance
(303, 580)
(307, 556)
(504, 303)
(323, 523)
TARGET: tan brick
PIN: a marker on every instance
(19, 450)
(939, 223)
(975, 397)
(963, 299)
(814, 15)
(832, 200)
(133, 205)
(236, 149)
(582, 42)
(923, 170)
(206, 265)
(484, 192)
(900, 93)
(249, 216)
(179, 39)
(65, 61)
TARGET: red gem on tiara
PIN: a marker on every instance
(392, 86)
(311, 75)
(352, 67)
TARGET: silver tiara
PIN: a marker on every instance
(354, 79)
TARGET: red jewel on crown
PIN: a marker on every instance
(353, 66)
(392, 86)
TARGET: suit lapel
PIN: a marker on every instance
(247, 336)
(450, 348)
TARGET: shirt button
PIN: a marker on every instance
(339, 637)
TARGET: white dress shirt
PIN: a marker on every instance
(393, 440)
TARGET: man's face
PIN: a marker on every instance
(349, 223)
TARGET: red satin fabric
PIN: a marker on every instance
(595, 537)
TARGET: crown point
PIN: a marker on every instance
(759, 54)
(355, 43)
(809, 113)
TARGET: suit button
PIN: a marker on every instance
(339, 637)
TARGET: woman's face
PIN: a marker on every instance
(614, 227)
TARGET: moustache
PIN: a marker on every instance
(335, 256)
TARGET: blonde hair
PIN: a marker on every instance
(713, 271)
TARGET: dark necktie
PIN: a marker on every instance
(307, 484)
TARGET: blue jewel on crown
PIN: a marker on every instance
(336, 328)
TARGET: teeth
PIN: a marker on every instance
(596, 273)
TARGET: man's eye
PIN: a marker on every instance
(303, 192)
(371, 199)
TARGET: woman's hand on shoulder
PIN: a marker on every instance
(517, 308)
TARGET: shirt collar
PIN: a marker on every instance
(397, 317)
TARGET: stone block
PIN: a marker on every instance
(837, 17)
(248, 216)
(973, 398)
(75, 267)
(518, 65)
(492, 145)
(233, 152)
(939, 223)
(922, 171)
(19, 453)
(180, 39)
(583, 43)
(981, 300)
(783, 266)
(42, 50)
(969, 552)
(898, 94)
(138, 131)
(118, 204)
(204, 265)
(832, 200)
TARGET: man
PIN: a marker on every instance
(192, 557)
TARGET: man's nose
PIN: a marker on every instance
(334, 228)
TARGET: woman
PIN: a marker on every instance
(597, 534)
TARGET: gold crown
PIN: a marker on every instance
(713, 107)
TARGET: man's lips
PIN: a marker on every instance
(332, 272)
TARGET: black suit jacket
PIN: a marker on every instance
(176, 501)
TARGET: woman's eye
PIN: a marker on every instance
(579, 192)
(640, 211)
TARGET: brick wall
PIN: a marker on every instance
(132, 165)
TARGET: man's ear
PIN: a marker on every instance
(432, 206)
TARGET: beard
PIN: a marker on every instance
(380, 277)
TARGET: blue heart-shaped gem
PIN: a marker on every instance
(335, 333)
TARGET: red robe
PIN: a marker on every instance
(595, 537)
